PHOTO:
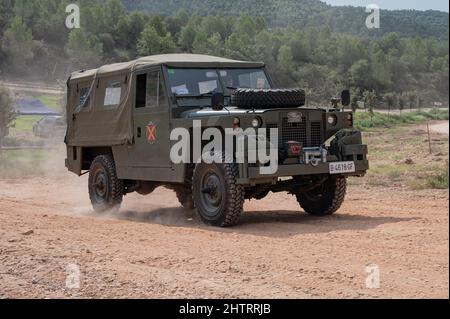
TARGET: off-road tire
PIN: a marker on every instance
(232, 194)
(326, 199)
(184, 191)
(272, 98)
(111, 197)
(184, 195)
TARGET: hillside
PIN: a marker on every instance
(305, 13)
(304, 43)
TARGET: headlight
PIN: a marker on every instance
(332, 120)
(257, 122)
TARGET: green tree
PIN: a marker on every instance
(285, 58)
(157, 23)
(354, 103)
(412, 98)
(381, 70)
(150, 42)
(129, 28)
(18, 45)
(6, 13)
(187, 37)
(7, 113)
(370, 99)
(113, 10)
(391, 101)
(84, 49)
(174, 23)
(246, 25)
(360, 74)
(401, 103)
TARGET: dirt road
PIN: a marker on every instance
(440, 127)
(32, 87)
(150, 250)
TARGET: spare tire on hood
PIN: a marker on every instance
(267, 98)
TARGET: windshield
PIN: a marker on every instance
(203, 82)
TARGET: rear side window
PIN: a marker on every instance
(113, 93)
(150, 90)
(84, 98)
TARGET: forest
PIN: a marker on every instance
(305, 43)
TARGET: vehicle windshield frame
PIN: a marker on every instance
(222, 87)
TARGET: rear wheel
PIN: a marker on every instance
(325, 199)
(105, 189)
(217, 196)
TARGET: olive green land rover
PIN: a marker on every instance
(122, 120)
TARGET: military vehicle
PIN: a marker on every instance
(120, 118)
(50, 127)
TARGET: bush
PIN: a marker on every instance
(439, 181)
(365, 120)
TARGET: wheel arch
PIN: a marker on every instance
(88, 154)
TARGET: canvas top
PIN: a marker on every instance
(174, 60)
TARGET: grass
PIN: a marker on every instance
(31, 162)
(399, 157)
(365, 120)
(53, 101)
(25, 123)
(22, 162)
(439, 180)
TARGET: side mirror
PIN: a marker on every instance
(217, 101)
(345, 98)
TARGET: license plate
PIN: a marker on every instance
(342, 167)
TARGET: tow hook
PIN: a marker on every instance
(314, 155)
(315, 162)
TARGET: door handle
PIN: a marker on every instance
(139, 132)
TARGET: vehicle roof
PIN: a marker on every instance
(173, 60)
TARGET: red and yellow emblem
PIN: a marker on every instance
(151, 133)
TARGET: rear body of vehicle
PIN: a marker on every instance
(122, 119)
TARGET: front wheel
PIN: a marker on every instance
(105, 189)
(217, 196)
(325, 199)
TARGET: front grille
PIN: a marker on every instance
(299, 132)
(294, 131)
(316, 134)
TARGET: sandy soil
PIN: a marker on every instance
(440, 127)
(151, 250)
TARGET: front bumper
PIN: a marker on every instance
(251, 175)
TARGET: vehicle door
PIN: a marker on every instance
(151, 115)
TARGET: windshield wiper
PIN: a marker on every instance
(208, 93)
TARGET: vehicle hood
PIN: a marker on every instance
(234, 111)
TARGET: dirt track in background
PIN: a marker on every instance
(440, 127)
(151, 250)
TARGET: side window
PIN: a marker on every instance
(141, 90)
(113, 94)
(85, 98)
(150, 90)
(155, 90)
